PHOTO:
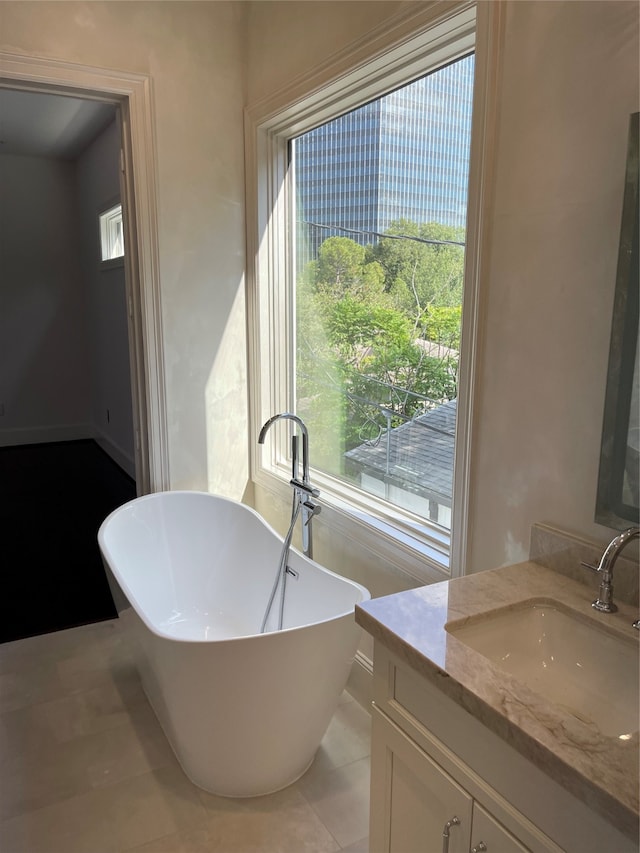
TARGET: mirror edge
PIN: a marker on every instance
(610, 507)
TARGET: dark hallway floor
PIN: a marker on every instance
(54, 498)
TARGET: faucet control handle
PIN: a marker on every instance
(589, 566)
(304, 487)
(312, 509)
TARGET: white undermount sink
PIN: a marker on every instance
(573, 662)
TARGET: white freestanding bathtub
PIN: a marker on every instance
(244, 712)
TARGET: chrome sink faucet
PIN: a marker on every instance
(303, 492)
(604, 601)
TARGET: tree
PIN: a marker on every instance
(342, 268)
(441, 324)
(363, 319)
(419, 274)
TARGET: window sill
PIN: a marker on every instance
(412, 554)
(112, 263)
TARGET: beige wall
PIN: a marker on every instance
(289, 39)
(97, 187)
(569, 84)
(570, 81)
(193, 53)
(44, 364)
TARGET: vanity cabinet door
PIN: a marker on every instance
(415, 806)
(486, 830)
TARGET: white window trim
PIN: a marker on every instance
(103, 236)
(403, 49)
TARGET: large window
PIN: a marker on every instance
(380, 199)
(361, 281)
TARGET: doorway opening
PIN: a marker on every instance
(58, 574)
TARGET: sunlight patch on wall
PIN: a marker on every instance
(226, 408)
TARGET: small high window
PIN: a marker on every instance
(111, 234)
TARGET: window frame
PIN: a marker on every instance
(391, 56)
(106, 216)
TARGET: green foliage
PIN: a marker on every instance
(358, 329)
(441, 324)
(418, 273)
(339, 264)
(342, 269)
(378, 330)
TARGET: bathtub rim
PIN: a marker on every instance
(133, 602)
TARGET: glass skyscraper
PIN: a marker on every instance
(403, 156)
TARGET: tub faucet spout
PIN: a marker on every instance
(303, 491)
(294, 443)
(604, 601)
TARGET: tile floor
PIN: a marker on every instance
(85, 767)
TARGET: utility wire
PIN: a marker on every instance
(384, 236)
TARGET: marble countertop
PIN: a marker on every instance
(600, 770)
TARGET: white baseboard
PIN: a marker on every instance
(45, 434)
(116, 453)
(68, 432)
(360, 683)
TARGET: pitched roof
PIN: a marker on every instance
(416, 456)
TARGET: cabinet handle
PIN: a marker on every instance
(455, 821)
(480, 847)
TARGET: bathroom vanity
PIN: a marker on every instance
(474, 748)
